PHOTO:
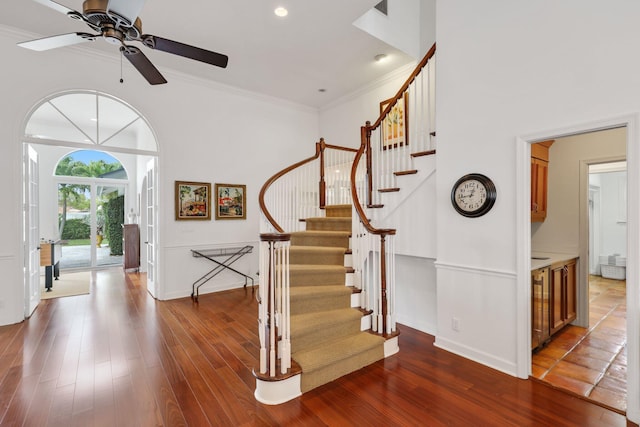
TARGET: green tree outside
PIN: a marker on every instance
(76, 195)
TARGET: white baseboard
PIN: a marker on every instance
(501, 365)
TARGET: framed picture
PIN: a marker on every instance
(395, 125)
(231, 201)
(193, 200)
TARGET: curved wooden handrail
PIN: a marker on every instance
(321, 146)
(354, 193)
(337, 147)
(265, 187)
(405, 86)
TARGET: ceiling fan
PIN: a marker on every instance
(117, 22)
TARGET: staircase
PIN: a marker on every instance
(326, 337)
(320, 318)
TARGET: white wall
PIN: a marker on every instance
(507, 69)
(427, 24)
(416, 293)
(340, 122)
(206, 132)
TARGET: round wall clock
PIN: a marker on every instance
(473, 195)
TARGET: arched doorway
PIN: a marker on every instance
(83, 120)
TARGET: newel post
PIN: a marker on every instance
(274, 309)
(322, 185)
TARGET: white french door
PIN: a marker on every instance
(31, 239)
(151, 228)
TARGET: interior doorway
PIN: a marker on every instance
(588, 356)
(84, 120)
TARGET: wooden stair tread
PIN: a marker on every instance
(302, 291)
(340, 349)
(322, 233)
(338, 211)
(329, 249)
(327, 218)
(423, 153)
(316, 267)
(407, 172)
(310, 323)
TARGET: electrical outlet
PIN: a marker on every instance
(455, 324)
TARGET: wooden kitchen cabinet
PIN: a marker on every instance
(539, 307)
(562, 293)
(539, 180)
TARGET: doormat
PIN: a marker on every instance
(68, 284)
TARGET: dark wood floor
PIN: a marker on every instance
(116, 357)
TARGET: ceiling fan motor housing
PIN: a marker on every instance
(115, 28)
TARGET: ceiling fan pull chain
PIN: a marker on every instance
(121, 55)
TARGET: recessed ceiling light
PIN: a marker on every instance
(380, 57)
(281, 12)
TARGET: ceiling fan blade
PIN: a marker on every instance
(185, 50)
(143, 65)
(127, 9)
(55, 6)
(61, 40)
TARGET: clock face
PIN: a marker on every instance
(470, 195)
(473, 195)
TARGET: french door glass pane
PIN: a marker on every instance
(109, 220)
(74, 222)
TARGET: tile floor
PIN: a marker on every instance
(591, 362)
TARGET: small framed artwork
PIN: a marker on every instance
(231, 201)
(395, 125)
(193, 200)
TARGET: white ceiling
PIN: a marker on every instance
(314, 47)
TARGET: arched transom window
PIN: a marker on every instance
(92, 118)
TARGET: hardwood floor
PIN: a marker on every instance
(591, 362)
(117, 357)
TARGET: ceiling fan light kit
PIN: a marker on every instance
(118, 23)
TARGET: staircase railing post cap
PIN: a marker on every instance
(275, 237)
